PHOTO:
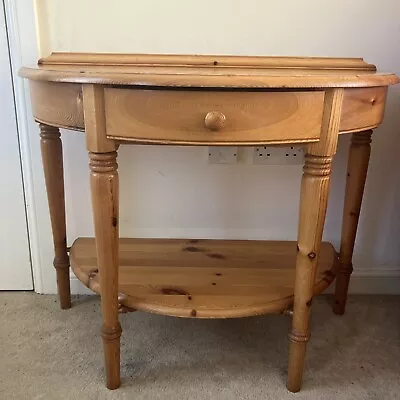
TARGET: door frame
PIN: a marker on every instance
(20, 19)
(21, 278)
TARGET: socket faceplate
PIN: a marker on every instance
(278, 155)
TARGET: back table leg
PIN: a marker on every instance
(357, 167)
(52, 157)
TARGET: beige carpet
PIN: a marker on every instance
(46, 353)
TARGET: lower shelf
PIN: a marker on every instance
(203, 278)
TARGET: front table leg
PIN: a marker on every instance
(104, 188)
(357, 167)
(313, 203)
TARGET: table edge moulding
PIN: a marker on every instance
(195, 100)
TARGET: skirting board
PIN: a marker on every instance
(369, 281)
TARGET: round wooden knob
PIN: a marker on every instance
(215, 120)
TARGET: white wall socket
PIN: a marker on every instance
(222, 155)
(278, 155)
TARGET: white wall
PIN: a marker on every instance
(172, 192)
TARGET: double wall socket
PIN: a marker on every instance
(262, 155)
(278, 155)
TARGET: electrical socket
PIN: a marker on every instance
(222, 155)
(278, 155)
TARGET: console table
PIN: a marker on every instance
(119, 99)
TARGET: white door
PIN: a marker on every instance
(15, 266)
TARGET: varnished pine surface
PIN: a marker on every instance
(61, 105)
(104, 185)
(118, 59)
(57, 105)
(207, 71)
(208, 278)
(362, 108)
(179, 117)
(52, 160)
(357, 167)
(203, 278)
(314, 195)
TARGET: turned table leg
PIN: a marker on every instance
(104, 188)
(52, 157)
(105, 204)
(313, 203)
(357, 167)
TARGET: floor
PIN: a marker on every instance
(46, 353)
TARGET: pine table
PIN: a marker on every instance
(120, 99)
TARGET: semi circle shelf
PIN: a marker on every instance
(203, 278)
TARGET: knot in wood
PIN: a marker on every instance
(296, 337)
(48, 132)
(103, 162)
(317, 165)
(311, 255)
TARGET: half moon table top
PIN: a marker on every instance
(205, 100)
(208, 71)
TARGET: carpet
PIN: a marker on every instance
(47, 353)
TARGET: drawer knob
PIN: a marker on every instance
(214, 120)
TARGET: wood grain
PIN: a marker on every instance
(95, 123)
(206, 100)
(313, 204)
(52, 159)
(118, 59)
(105, 204)
(178, 117)
(357, 167)
(59, 105)
(203, 278)
(362, 108)
(208, 71)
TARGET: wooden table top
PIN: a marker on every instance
(208, 71)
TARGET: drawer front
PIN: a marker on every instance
(213, 117)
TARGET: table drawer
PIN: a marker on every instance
(213, 117)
